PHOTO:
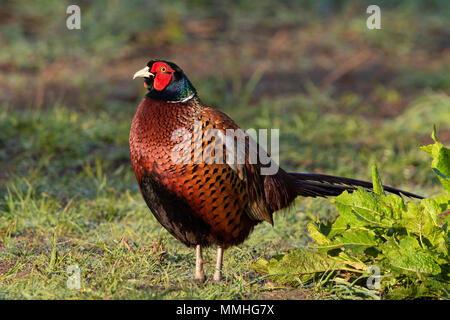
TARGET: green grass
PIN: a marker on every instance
(68, 195)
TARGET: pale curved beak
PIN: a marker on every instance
(143, 73)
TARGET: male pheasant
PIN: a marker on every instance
(175, 141)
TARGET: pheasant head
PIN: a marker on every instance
(166, 81)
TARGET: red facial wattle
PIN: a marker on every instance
(163, 74)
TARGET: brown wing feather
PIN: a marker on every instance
(267, 193)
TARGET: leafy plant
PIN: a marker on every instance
(406, 240)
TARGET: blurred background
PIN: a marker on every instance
(343, 97)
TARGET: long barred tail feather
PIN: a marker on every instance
(322, 185)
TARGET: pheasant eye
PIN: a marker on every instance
(163, 69)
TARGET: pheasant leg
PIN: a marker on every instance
(199, 275)
(218, 271)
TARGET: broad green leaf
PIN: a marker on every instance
(432, 209)
(444, 215)
(260, 265)
(367, 208)
(440, 238)
(345, 222)
(347, 219)
(441, 160)
(444, 202)
(376, 181)
(423, 220)
(396, 203)
(299, 265)
(355, 240)
(351, 261)
(409, 256)
(317, 236)
(412, 219)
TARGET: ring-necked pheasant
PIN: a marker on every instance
(199, 201)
